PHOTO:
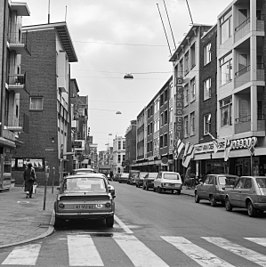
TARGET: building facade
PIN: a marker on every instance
(119, 154)
(47, 101)
(13, 82)
(130, 146)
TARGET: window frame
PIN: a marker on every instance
(32, 108)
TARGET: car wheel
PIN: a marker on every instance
(110, 221)
(159, 189)
(228, 205)
(178, 192)
(58, 222)
(197, 198)
(251, 209)
(213, 201)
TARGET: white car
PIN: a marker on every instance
(168, 181)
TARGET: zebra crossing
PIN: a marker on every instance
(83, 251)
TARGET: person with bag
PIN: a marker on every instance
(29, 179)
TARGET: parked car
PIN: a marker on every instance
(84, 196)
(116, 177)
(250, 193)
(132, 176)
(168, 181)
(123, 177)
(83, 170)
(148, 181)
(213, 188)
(139, 179)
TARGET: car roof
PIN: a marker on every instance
(86, 175)
(248, 176)
(224, 174)
(84, 169)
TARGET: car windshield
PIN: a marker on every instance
(226, 180)
(84, 184)
(171, 176)
(261, 182)
(152, 175)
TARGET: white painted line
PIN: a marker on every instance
(123, 226)
(258, 240)
(246, 253)
(82, 251)
(196, 253)
(23, 255)
(138, 253)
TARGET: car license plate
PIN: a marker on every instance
(84, 206)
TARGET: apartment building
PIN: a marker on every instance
(47, 101)
(130, 151)
(204, 151)
(140, 125)
(119, 154)
(241, 96)
(13, 81)
(186, 65)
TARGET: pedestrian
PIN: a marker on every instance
(29, 179)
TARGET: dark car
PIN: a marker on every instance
(213, 188)
(123, 178)
(148, 181)
(84, 196)
(249, 192)
(132, 176)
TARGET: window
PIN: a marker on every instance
(161, 141)
(226, 111)
(226, 69)
(119, 145)
(165, 117)
(192, 123)
(165, 140)
(186, 95)
(207, 88)
(36, 103)
(161, 100)
(207, 54)
(193, 89)
(124, 144)
(186, 63)
(225, 27)
(186, 126)
(206, 123)
(161, 119)
(166, 95)
(119, 158)
(193, 56)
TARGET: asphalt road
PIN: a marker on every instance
(153, 230)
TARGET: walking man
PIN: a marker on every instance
(29, 179)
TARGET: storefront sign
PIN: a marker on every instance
(243, 143)
(179, 111)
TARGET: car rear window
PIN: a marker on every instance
(84, 184)
(226, 180)
(261, 182)
(171, 176)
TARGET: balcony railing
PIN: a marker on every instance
(242, 29)
(18, 42)
(17, 82)
(243, 123)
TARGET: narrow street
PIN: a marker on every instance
(152, 229)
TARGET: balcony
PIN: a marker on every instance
(17, 82)
(243, 124)
(242, 76)
(17, 43)
(242, 29)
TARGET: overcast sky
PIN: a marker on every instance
(114, 37)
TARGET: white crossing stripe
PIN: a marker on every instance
(138, 253)
(258, 240)
(82, 251)
(23, 255)
(246, 253)
(196, 253)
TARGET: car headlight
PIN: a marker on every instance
(108, 205)
(61, 205)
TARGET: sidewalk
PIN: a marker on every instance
(23, 219)
(188, 191)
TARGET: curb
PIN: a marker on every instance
(48, 232)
